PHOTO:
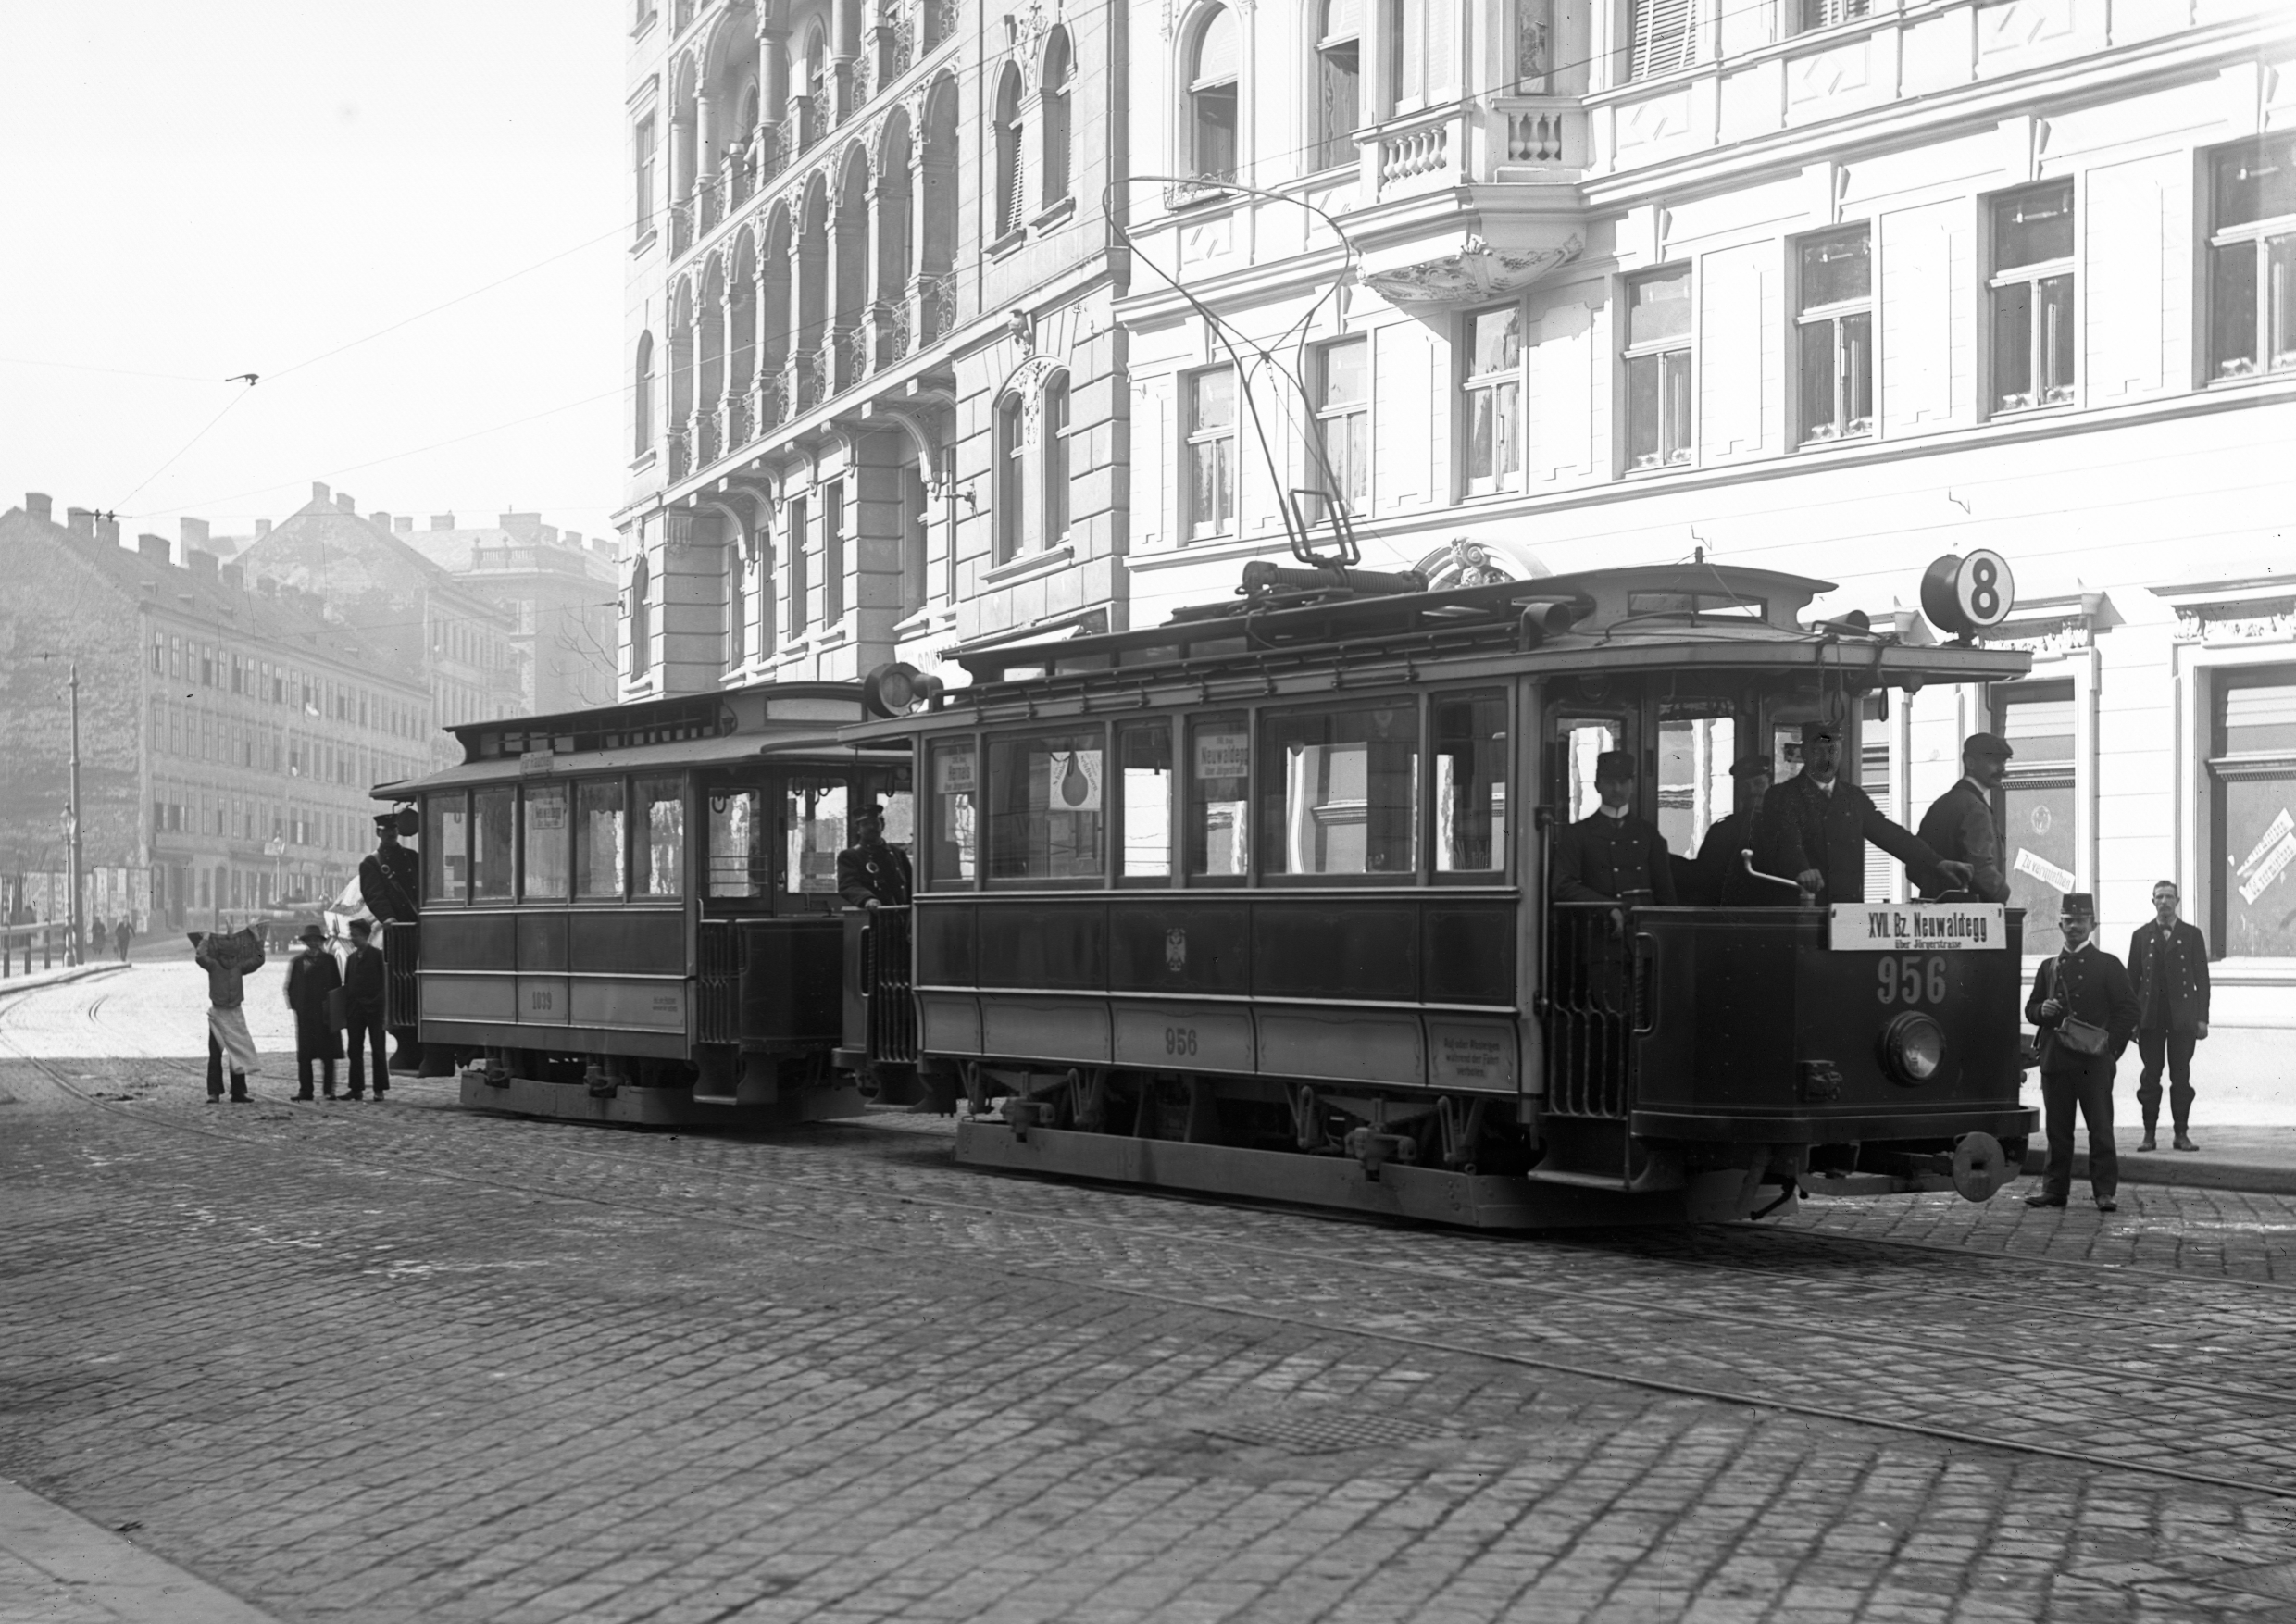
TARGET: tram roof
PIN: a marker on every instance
(1651, 617)
(677, 732)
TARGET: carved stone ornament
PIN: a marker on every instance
(1024, 39)
(1477, 272)
(2248, 619)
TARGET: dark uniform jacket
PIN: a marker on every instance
(362, 982)
(1601, 858)
(1959, 827)
(2169, 970)
(391, 881)
(1722, 876)
(874, 870)
(311, 977)
(1804, 828)
(2095, 990)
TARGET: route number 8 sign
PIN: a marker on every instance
(1968, 593)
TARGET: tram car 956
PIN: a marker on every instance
(633, 913)
(1259, 902)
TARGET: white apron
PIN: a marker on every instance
(229, 1027)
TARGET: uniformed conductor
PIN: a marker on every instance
(1815, 827)
(1959, 825)
(2168, 966)
(2086, 985)
(1607, 855)
(1721, 867)
(870, 873)
(389, 876)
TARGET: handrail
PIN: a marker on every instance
(55, 939)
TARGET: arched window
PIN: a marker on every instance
(1057, 461)
(642, 390)
(1008, 179)
(640, 620)
(1012, 485)
(1214, 67)
(817, 111)
(1339, 83)
(1056, 101)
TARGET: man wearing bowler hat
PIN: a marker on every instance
(311, 976)
(2085, 1010)
(1611, 854)
(1815, 828)
(1959, 824)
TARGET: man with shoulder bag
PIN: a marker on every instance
(2086, 1011)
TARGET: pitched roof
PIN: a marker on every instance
(333, 551)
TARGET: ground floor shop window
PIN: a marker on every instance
(2253, 823)
(2038, 801)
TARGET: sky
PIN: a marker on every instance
(193, 191)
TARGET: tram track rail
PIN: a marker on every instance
(1566, 1296)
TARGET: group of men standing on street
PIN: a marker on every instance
(1803, 840)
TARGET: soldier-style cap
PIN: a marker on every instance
(1613, 764)
(1992, 744)
(1750, 767)
(1813, 731)
(2077, 905)
(870, 809)
(389, 821)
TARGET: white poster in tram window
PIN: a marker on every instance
(1072, 780)
(1223, 755)
(957, 772)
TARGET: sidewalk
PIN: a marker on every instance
(2261, 1161)
(60, 1568)
(20, 982)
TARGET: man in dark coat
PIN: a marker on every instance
(123, 933)
(870, 873)
(390, 876)
(362, 1005)
(1612, 855)
(311, 975)
(2083, 984)
(2168, 966)
(1815, 828)
(1959, 825)
(1721, 867)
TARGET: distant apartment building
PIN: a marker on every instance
(560, 592)
(230, 727)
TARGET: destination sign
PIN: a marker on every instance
(1900, 927)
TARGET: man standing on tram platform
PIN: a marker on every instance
(1611, 854)
(1721, 867)
(390, 876)
(1959, 824)
(869, 873)
(1815, 829)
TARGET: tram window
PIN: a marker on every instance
(1471, 760)
(661, 803)
(1694, 788)
(1046, 816)
(955, 830)
(1584, 738)
(446, 848)
(544, 852)
(1785, 750)
(741, 844)
(598, 838)
(816, 830)
(491, 842)
(1145, 764)
(1219, 785)
(1340, 791)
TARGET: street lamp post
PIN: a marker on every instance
(71, 828)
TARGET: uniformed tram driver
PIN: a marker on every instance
(870, 873)
(1613, 856)
(1815, 827)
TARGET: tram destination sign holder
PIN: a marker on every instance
(1915, 926)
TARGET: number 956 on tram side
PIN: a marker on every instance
(1271, 901)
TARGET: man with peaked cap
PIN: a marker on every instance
(1611, 853)
(2087, 985)
(1959, 825)
(1721, 867)
(311, 976)
(390, 876)
(869, 873)
(1815, 829)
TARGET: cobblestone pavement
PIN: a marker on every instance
(404, 1361)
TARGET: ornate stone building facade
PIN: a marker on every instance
(876, 407)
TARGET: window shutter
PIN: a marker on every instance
(1664, 35)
